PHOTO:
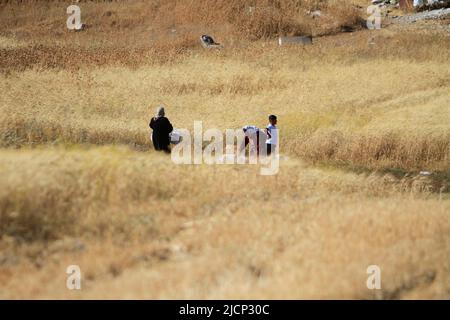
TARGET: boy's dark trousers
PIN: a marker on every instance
(269, 149)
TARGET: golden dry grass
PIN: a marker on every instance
(214, 233)
(378, 113)
(80, 184)
(135, 31)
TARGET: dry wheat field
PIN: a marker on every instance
(364, 176)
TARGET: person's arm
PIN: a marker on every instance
(267, 132)
(152, 122)
(169, 126)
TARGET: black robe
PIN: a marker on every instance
(161, 128)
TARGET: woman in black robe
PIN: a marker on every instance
(161, 129)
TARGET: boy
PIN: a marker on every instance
(272, 134)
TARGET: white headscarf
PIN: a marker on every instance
(160, 112)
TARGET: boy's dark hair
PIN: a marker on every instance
(272, 117)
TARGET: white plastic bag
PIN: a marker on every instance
(175, 136)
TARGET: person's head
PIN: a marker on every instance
(273, 119)
(160, 112)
